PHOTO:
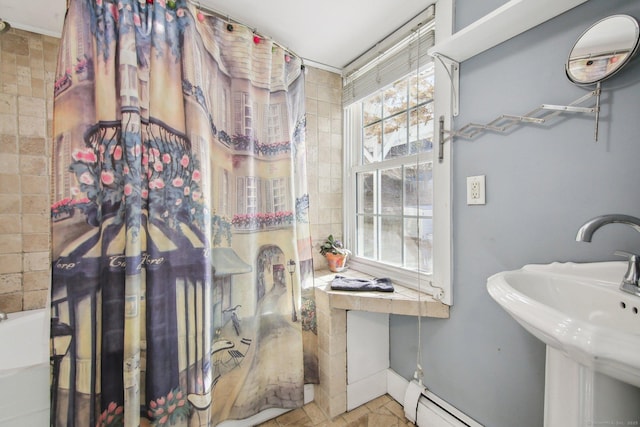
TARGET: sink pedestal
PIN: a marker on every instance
(577, 396)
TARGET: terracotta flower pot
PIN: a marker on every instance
(336, 262)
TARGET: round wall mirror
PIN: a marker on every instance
(603, 49)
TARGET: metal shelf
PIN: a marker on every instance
(538, 116)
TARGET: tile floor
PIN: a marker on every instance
(380, 412)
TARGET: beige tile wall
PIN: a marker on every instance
(324, 158)
(27, 72)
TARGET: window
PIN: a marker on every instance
(243, 112)
(197, 67)
(278, 195)
(248, 193)
(394, 199)
(273, 123)
(223, 204)
(64, 184)
(252, 195)
(397, 192)
(222, 109)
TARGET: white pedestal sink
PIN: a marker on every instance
(592, 333)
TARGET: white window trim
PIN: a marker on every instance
(439, 284)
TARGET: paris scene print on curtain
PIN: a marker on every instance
(182, 274)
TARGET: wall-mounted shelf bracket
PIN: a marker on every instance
(452, 67)
(538, 116)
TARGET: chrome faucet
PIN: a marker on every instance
(3, 316)
(631, 281)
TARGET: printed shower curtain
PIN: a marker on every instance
(182, 274)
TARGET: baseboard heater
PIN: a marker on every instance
(424, 407)
(435, 412)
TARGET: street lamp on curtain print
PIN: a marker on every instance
(291, 267)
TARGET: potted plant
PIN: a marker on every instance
(335, 253)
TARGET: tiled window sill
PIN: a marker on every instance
(402, 301)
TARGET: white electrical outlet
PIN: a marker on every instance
(476, 190)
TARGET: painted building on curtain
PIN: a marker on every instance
(251, 144)
(80, 76)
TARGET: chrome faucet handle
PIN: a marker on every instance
(631, 280)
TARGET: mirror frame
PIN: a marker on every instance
(623, 61)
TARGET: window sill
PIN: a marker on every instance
(403, 300)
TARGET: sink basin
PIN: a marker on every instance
(579, 310)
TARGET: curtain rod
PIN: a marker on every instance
(230, 20)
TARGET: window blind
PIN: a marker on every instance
(391, 59)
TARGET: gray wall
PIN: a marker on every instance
(542, 184)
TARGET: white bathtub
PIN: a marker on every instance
(24, 369)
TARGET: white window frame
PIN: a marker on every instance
(279, 194)
(223, 109)
(248, 194)
(273, 123)
(244, 111)
(224, 192)
(252, 187)
(439, 283)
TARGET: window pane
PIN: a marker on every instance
(418, 190)
(252, 195)
(421, 87)
(395, 136)
(394, 194)
(372, 109)
(279, 194)
(372, 144)
(366, 192)
(391, 191)
(366, 236)
(418, 211)
(421, 129)
(395, 98)
(419, 250)
(391, 240)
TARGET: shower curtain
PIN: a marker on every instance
(181, 267)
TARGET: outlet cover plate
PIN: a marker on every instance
(476, 190)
